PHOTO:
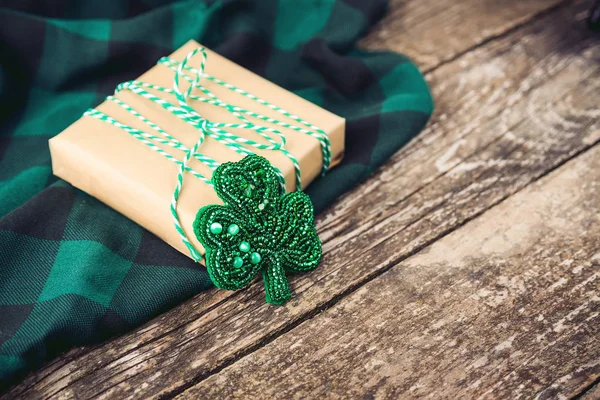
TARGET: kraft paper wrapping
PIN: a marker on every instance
(119, 170)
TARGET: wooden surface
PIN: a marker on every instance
(468, 316)
(467, 267)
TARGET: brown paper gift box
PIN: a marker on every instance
(119, 170)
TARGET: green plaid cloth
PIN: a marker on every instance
(73, 271)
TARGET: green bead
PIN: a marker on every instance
(216, 228)
(248, 192)
(245, 247)
(255, 258)
(233, 229)
(238, 262)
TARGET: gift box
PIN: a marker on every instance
(106, 162)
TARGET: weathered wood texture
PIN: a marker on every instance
(507, 113)
(592, 393)
(508, 306)
(432, 32)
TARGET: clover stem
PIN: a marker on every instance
(276, 284)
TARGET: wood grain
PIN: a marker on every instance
(592, 393)
(433, 32)
(506, 307)
(508, 113)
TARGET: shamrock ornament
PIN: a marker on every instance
(260, 229)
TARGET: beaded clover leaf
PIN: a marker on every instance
(259, 229)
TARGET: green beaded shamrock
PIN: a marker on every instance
(259, 229)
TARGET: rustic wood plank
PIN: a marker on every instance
(433, 32)
(507, 306)
(518, 73)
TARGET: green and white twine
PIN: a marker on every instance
(216, 130)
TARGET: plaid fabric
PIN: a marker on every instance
(73, 271)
